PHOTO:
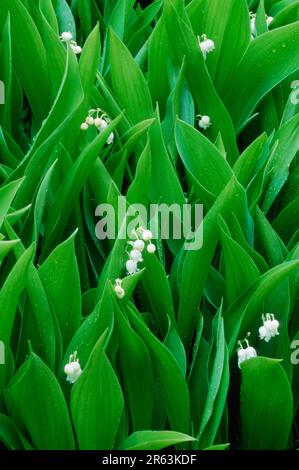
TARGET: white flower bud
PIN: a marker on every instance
(204, 122)
(269, 20)
(147, 235)
(151, 249)
(110, 139)
(119, 292)
(77, 49)
(66, 36)
(84, 126)
(90, 120)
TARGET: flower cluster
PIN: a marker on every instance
(244, 354)
(139, 239)
(206, 45)
(99, 121)
(269, 328)
(73, 369)
(68, 37)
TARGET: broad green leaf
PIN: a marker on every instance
(63, 205)
(202, 159)
(27, 48)
(135, 363)
(185, 44)
(169, 376)
(12, 288)
(196, 263)
(10, 436)
(249, 306)
(217, 19)
(45, 415)
(128, 82)
(266, 405)
(240, 270)
(97, 402)
(268, 60)
(67, 308)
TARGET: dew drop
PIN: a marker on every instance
(284, 44)
(274, 50)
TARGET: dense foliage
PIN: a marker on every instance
(200, 105)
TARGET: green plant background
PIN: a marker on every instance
(160, 366)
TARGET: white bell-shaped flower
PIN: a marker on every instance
(66, 36)
(204, 122)
(270, 326)
(118, 289)
(244, 354)
(73, 369)
(206, 45)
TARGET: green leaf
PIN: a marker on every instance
(128, 82)
(249, 307)
(176, 347)
(202, 159)
(268, 60)
(12, 288)
(67, 308)
(217, 19)
(27, 48)
(135, 362)
(156, 285)
(284, 153)
(185, 44)
(154, 440)
(7, 194)
(266, 405)
(63, 205)
(97, 402)
(241, 271)
(46, 411)
(196, 263)
(218, 386)
(169, 377)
